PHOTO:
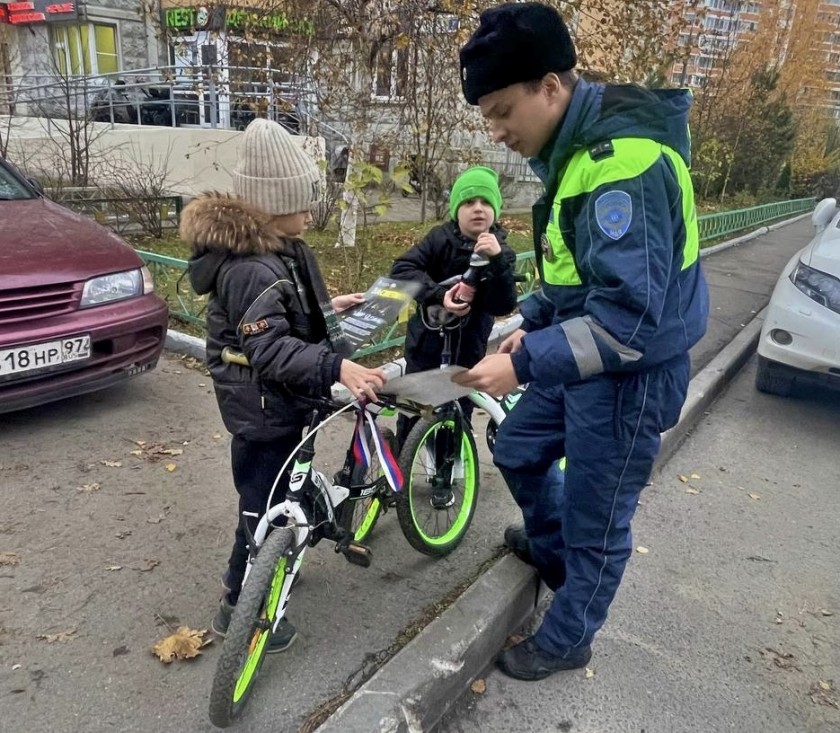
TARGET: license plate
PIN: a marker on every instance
(43, 356)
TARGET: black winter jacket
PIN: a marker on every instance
(443, 253)
(261, 303)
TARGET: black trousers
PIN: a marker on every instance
(255, 466)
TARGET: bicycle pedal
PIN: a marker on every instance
(358, 554)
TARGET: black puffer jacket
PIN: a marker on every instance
(261, 303)
(443, 253)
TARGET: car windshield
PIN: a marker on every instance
(11, 189)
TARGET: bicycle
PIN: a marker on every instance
(312, 511)
(439, 462)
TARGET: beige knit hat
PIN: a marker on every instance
(275, 174)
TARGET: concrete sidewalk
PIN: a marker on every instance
(414, 690)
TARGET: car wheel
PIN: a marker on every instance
(771, 381)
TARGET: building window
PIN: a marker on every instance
(390, 72)
(85, 49)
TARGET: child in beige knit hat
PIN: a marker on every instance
(268, 300)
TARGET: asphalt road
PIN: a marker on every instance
(104, 559)
(731, 620)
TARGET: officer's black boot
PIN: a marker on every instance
(527, 661)
(517, 541)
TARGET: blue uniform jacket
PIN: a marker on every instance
(638, 302)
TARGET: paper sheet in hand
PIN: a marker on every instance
(433, 387)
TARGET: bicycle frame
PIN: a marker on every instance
(305, 481)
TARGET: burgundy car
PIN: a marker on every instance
(77, 312)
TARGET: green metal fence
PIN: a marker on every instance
(169, 272)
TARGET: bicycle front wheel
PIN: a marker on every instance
(260, 602)
(439, 463)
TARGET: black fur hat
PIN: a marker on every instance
(514, 42)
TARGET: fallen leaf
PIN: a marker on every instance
(755, 496)
(9, 558)
(202, 384)
(89, 488)
(122, 535)
(479, 687)
(172, 451)
(170, 467)
(589, 674)
(114, 568)
(642, 550)
(682, 478)
(695, 475)
(823, 692)
(60, 636)
(692, 490)
(216, 436)
(15, 667)
(185, 643)
(141, 443)
(823, 611)
(112, 464)
(156, 520)
(137, 453)
(150, 565)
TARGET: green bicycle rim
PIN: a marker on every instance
(469, 491)
(366, 526)
(252, 663)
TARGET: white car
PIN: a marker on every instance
(800, 339)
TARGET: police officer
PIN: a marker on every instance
(605, 344)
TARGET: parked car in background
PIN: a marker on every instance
(800, 338)
(77, 308)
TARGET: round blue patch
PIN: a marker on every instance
(614, 212)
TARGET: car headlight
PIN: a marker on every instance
(110, 288)
(818, 286)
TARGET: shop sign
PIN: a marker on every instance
(38, 11)
(219, 17)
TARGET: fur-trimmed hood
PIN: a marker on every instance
(223, 223)
(217, 226)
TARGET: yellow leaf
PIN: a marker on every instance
(170, 467)
(825, 684)
(695, 475)
(692, 490)
(172, 451)
(479, 687)
(112, 464)
(114, 567)
(141, 443)
(60, 636)
(642, 550)
(589, 674)
(137, 453)
(89, 488)
(185, 643)
(682, 478)
(9, 558)
(755, 496)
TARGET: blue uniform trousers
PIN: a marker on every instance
(578, 522)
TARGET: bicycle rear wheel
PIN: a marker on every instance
(360, 517)
(261, 601)
(439, 463)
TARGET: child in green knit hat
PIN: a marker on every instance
(475, 203)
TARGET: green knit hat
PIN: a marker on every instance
(478, 182)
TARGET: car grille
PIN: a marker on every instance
(29, 304)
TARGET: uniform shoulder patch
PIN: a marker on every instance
(614, 213)
(252, 329)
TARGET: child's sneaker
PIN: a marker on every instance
(280, 640)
